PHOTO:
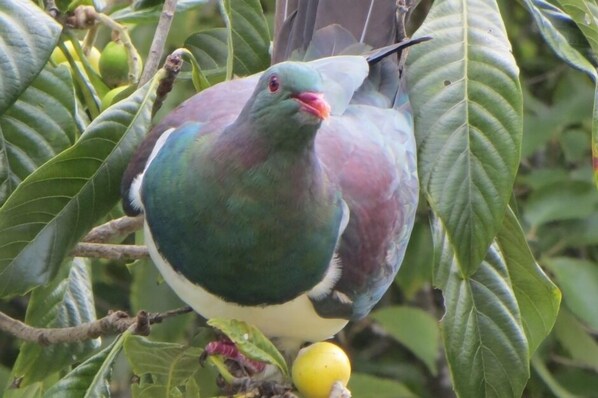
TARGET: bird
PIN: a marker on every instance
(286, 199)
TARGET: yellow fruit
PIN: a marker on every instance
(114, 64)
(93, 57)
(317, 367)
(114, 95)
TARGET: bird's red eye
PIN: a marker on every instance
(273, 84)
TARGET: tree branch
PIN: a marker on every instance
(119, 227)
(157, 48)
(114, 323)
(110, 252)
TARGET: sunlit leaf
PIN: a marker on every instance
(28, 37)
(36, 127)
(57, 204)
(467, 101)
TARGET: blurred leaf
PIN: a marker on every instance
(415, 329)
(537, 297)
(38, 125)
(66, 301)
(248, 37)
(581, 382)
(484, 339)
(210, 50)
(565, 200)
(416, 268)
(132, 15)
(57, 204)
(31, 391)
(540, 368)
(540, 178)
(585, 15)
(465, 91)
(576, 340)
(578, 279)
(575, 145)
(28, 37)
(363, 385)
(561, 34)
(91, 378)
(250, 342)
(150, 295)
(170, 365)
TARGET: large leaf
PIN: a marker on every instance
(538, 298)
(67, 301)
(39, 125)
(585, 15)
(415, 329)
(484, 339)
(210, 50)
(561, 34)
(91, 378)
(27, 37)
(579, 281)
(467, 99)
(248, 37)
(56, 205)
(170, 365)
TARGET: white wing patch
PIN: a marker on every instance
(335, 270)
(135, 190)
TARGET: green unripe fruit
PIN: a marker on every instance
(114, 64)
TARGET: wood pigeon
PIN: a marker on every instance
(286, 199)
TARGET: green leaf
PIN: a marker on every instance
(28, 37)
(415, 329)
(210, 50)
(38, 125)
(364, 385)
(150, 295)
(416, 269)
(57, 204)
(31, 391)
(538, 298)
(91, 378)
(576, 340)
(169, 365)
(595, 135)
(560, 32)
(578, 279)
(554, 202)
(484, 339)
(585, 15)
(465, 91)
(248, 37)
(133, 15)
(67, 301)
(540, 368)
(251, 342)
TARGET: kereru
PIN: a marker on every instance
(286, 199)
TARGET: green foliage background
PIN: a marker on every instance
(505, 106)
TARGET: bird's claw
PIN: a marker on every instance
(339, 391)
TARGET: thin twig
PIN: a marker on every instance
(157, 48)
(119, 227)
(109, 251)
(114, 323)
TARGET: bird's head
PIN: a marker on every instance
(288, 102)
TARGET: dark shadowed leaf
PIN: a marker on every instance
(464, 88)
(38, 125)
(57, 204)
(91, 378)
(66, 301)
(28, 37)
(210, 50)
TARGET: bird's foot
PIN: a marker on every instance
(339, 391)
(238, 364)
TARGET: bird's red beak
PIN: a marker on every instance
(313, 103)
